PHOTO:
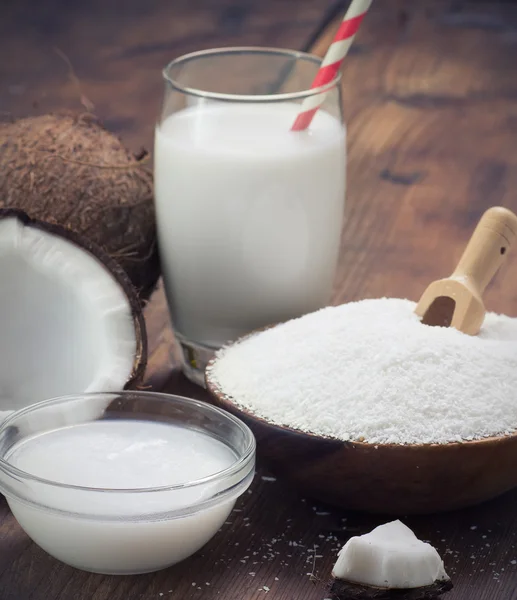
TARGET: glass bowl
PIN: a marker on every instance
(114, 530)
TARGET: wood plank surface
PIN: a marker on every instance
(430, 98)
(109, 56)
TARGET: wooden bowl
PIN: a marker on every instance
(384, 478)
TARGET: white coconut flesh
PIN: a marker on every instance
(390, 556)
(66, 323)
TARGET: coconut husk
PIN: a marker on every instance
(67, 169)
(346, 590)
(120, 276)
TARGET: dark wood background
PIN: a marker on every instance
(430, 98)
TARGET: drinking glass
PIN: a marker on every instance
(249, 212)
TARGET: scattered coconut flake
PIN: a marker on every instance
(390, 556)
(402, 381)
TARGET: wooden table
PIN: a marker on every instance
(430, 97)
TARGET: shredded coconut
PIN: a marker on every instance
(370, 371)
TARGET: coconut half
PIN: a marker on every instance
(70, 321)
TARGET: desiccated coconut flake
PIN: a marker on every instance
(369, 370)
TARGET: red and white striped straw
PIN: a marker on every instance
(332, 62)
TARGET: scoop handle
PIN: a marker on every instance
(488, 247)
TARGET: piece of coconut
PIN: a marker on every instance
(68, 169)
(70, 321)
(389, 558)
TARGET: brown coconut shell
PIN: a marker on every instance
(120, 276)
(67, 169)
(346, 590)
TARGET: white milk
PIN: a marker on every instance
(121, 455)
(249, 216)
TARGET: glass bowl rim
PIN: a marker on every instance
(284, 97)
(240, 463)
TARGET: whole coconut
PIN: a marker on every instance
(68, 169)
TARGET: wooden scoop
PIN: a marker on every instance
(457, 300)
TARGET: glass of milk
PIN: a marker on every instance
(123, 483)
(249, 212)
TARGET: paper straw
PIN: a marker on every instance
(332, 62)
